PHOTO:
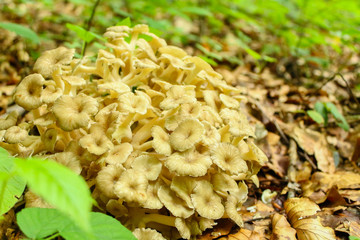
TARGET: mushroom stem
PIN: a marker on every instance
(158, 218)
(145, 146)
(36, 114)
(144, 132)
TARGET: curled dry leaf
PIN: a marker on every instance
(243, 234)
(282, 228)
(300, 212)
(314, 143)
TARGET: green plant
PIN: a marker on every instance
(321, 112)
(64, 190)
(22, 31)
(354, 238)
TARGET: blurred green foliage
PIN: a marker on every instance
(232, 31)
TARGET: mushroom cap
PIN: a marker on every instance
(115, 208)
(189, 163)
(9, 121)
(173, 203)
(28, 92)
(69, 160)
(132, 186)
(178, 94)
(119, 153)
(187, 134)
(160, 141)
(231, 210)
(50, 60)
(33, 200)
(172, 50)
(149, 165)
(183, 187)
(182, 227)
(223, 183)
(96, 142)
(51, 92)
(152, 200)
(130, 103)
(147, 234)
(107, 178)
(15, 134)
(49, 138)
(206, 202)
(74, 112)
(229, 102)
(228, 158)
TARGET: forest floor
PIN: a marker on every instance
(307, 159)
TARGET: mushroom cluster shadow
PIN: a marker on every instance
(159, 136)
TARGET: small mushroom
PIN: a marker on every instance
(15, 134)
(107, 178)
(74, 112)
(119, 154)
(206, 202)
(9, 121)
(147, 234)
(188, 163)
(187, 134)
(132, 186)
(96, 142)
(228, 157)
(52, 59)
(149, 165)
(28, 92)
(173, 203)
(160, 141)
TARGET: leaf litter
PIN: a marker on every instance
(312, 168)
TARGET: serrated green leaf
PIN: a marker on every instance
(124, 22)
(11, 186)
(315, 116)
(41, 222)
(22, 31)
(59, 186)
(338, 116)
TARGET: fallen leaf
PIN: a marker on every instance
(300, 212)
(311, 228)
(281, 228)
(243, 234)
(347, 183)
(354, 229)
(314, 143)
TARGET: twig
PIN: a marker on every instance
(89, 22)
(351, 94)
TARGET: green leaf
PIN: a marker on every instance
(59, 186)
(22, 31)
(338, 116)
(315, 116)
(82, 33)
(321, 109)
(40, 222)
(354, 238)
(125, 22)
(208, 60)
(103, 227)
(11, 186)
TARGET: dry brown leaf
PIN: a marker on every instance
(222, 228)
(314, 143)
(282, 229)
(354, 229)
(320, 183)
(300, 212)
(243, 234)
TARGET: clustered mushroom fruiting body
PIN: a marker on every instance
(158, 134)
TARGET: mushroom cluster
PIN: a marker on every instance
(158, 135)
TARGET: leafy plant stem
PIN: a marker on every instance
(89, 22)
